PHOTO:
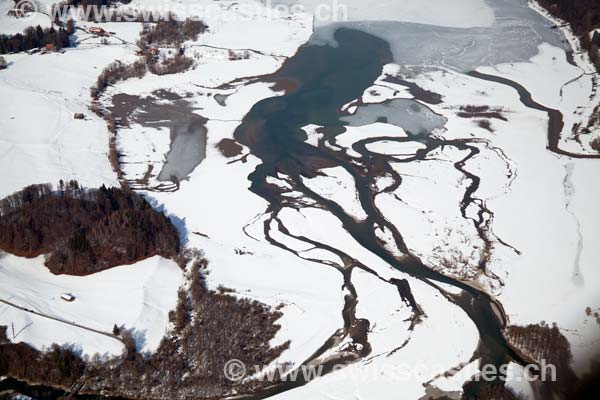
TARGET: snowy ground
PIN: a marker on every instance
(223, 218)
(544, 206)
(41, 141)
(571, 91)
(234, 241)
(544, 211)
(219, 214)
(11, 25)
(390, 368)
(147, 288)
(456, 14)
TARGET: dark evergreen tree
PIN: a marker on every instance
(84, 231)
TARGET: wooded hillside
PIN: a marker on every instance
(583, 16)
(84, 231)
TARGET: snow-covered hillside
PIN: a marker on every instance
(456, 174)
(137, 297)
(41, 141)
(11, 24)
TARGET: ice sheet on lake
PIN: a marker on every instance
(514, 35)
(454, 13)
(408, 114)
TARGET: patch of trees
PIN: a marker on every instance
(583, 16)
(595, 143)
(115, 72)
(589, 386)
(83, 231)
(546, 346)
(173, 65)
(166, 33)
(170, 32)
(119, 71)
(238, 55)
(542, 342)
(59, 366)
(36, 37)
(474, 390)
(210, 328)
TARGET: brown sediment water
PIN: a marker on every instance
(229, 148)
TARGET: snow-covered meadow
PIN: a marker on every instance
(543, 207)
(135, 297)
(543, 224)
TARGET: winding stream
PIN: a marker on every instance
(555, 117)
(325, 78)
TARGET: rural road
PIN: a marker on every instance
(110, 335)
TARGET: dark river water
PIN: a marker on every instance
(323, 79)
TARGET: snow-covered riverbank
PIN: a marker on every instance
(492, 207)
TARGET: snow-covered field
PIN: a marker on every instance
(137, 297)
(11, 25)
(543, 224)
(571, 91)
(544, 211)
(401, 360)
(41, 141)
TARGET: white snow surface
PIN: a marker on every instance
(523, 184)
(455, 13)
(570, 90)
(398, 149)
(338, 185)
(10, 25)
(221, 216)
(41, 141)
(137, 297)
(566, 280)
(391, 369)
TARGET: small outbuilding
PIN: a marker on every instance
(16, 13)
(96, 30)
(68, 297)
(79, 116)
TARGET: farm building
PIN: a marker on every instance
(68, 297)
(17, 13)
(96, 30)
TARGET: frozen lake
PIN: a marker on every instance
(461, 34)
